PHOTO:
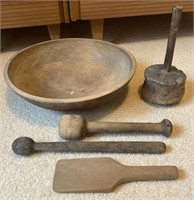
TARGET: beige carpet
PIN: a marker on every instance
(146, 38)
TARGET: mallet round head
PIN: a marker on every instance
(72, 127)
(163, 87)
(23, 146)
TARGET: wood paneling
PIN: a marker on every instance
(29, 13)
(110, 9)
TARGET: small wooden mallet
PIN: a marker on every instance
(164, 84)
(74, 127)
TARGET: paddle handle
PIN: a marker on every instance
(148, 173)
(175, 21)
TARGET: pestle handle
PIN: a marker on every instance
(175, 21)
(102, 147)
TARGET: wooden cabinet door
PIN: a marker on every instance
(110, 9)
(29, 13)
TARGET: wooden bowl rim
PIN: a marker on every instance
(69, 100)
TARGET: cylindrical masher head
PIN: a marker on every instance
(163, 87)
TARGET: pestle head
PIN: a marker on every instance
(23, 146)
(163, 87)
(72, 127)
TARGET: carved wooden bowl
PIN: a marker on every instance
(70, 74)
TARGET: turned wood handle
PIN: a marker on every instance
(175, 21)
(163, 128)
(148, 173)
(109, 147)
(26, 146)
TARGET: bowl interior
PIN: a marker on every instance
(66, 69)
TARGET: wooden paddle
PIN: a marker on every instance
(104, 174)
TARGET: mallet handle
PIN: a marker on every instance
(175, 21)
(110, 147)
(163, 128)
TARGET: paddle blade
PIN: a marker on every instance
(86, 175)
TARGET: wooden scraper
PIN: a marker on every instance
(104, 174)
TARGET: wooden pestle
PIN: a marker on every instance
(26, 146)
(165, 84)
